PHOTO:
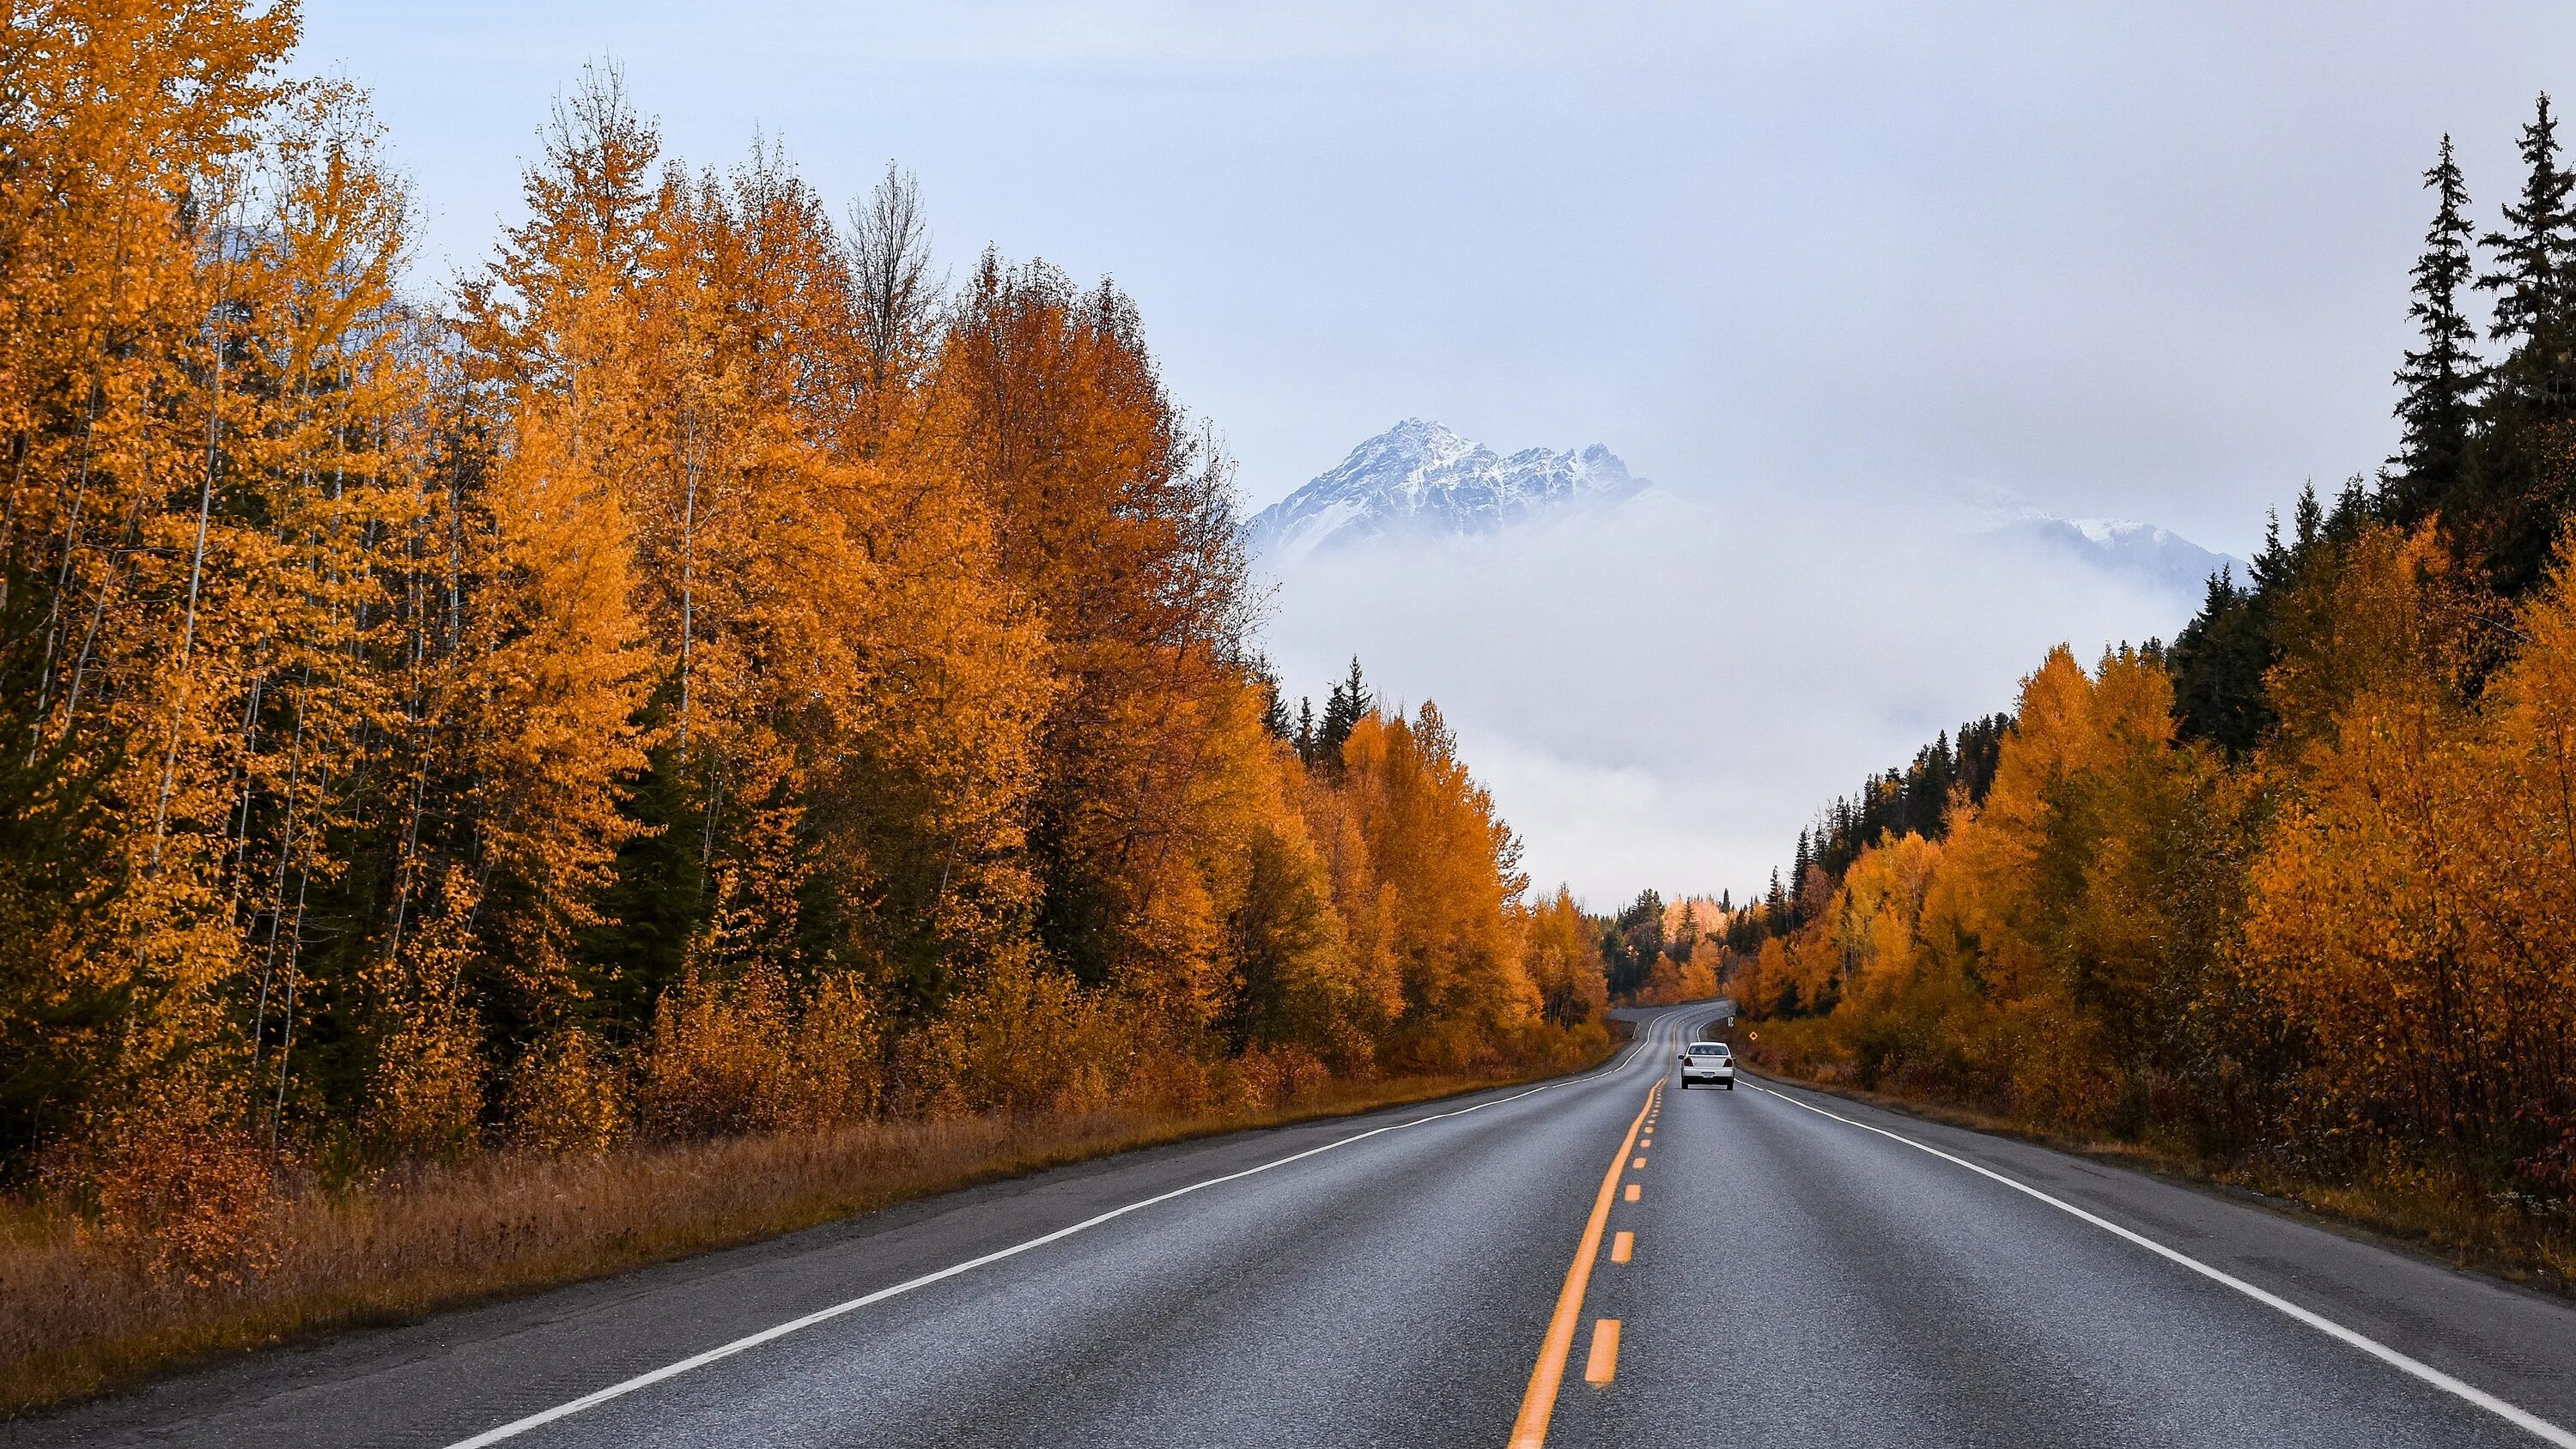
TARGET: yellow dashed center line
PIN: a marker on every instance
(1632, 1192)
(1640, 1162)
(1538, 1403)
(1604, 1360)
(1622, 1247)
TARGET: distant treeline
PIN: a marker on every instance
(1915, 799)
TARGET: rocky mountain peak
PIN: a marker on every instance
(1420, 477)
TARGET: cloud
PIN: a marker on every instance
(1663, 695)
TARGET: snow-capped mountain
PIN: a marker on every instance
(2115, 545)
(1419, 477)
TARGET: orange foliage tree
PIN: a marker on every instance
(699, 677)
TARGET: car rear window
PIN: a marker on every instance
(1707, 1049)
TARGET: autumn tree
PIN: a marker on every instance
(1564, 961)
(1113, 515)
(553, 345)
(699, 677)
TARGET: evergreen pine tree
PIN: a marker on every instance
(1927, 794)
(2275, 567)
(2513, 492)
(2351, 514)
(2309, 521)
(1632, 941)
(2219, 658)
(2531, 280)
(1343, 709)
(1981, 745)
(1274, 705)
(2441, 379)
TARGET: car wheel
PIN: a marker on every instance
(1730, 1086)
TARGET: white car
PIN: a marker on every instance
(1710, 1062)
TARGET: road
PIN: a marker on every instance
(1782, 1267)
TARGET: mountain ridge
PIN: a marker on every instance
(1422, 477)
(2147, 551)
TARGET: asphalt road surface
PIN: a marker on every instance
(1604, 1260)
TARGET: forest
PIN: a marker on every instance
(708, 674)
(2294, 894)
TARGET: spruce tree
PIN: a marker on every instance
(2513, 493)
(1274, 705)
(1632, 941)
(1981, 746)
(1343, 710)
(2531, 278)
(2219, 659)
(2309, 520)
(2351, 514)
(1927, 794)
(2441, 378)
(2274, 568)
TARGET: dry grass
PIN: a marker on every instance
(75, 1320)
(2457, 1222)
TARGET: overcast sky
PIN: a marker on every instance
(2143, 261)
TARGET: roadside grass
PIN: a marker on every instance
(2406, 1205)
(76, 1320)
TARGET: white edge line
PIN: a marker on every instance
(516, 1427)
(2519, 1418)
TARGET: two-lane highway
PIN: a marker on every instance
(1606, 1259)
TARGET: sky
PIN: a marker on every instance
(1813, 267)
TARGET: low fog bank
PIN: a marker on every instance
(1663, 695)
